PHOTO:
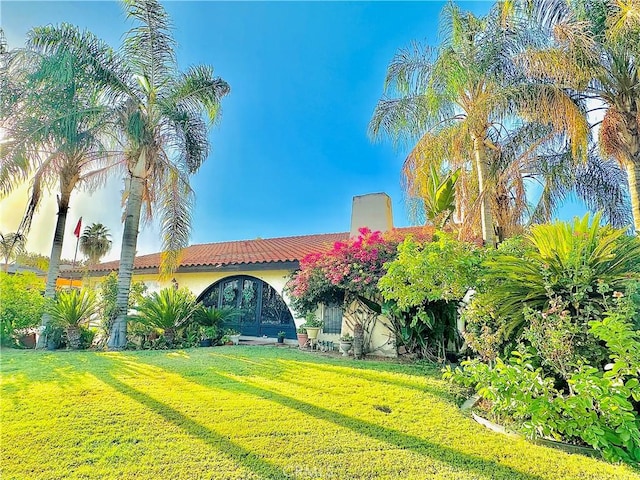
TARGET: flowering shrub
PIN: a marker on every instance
(350, 268)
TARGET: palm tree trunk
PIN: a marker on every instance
(54, 261)
(633, 177)
(480, 154)
(118, 335)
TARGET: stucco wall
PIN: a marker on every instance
(198, 282)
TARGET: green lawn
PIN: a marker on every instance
(251, 412)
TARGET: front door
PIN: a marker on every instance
(262, 311)
(243, 293)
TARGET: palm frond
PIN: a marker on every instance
(149, 45)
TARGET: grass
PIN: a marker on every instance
(251, 412)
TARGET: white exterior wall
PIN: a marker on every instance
(198, 282)
(382, 340)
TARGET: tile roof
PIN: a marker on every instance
(259, 251)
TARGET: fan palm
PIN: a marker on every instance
(95, 242)
(452, 103)
(160, 115)
(56, 126)
(595, 49)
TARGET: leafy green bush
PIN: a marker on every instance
(70, 310)
(423, 287)
(21, 305)
(575, 266)
(166, 310)
(598, 407)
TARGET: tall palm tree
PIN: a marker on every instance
(95, 242)
(594, 49)
(56, 128)
(11, 245)
(160, 115)
(454, 102)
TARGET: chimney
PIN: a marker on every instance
(373, 211)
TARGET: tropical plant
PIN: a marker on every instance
(21, 304)
(595, 52)
(167, 310)
(70, 310)
(11, 246)
(159, 115)
(214, 317)
(548, 289)
(108, 297)
(56, 129)
(439, 196)
(454, 104)
(579, 262)
(95, 242)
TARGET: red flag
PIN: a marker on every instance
(76, 232)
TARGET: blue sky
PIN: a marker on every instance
(291, 149)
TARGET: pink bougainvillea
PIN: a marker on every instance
(351, 267)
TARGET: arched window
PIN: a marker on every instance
(262, 311)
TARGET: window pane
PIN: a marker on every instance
(332, 319)
(274, 310)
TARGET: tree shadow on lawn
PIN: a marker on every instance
(375, 376)
(240, 455)
(280, 368)
(396, 439)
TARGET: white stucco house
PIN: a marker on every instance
(252, 274)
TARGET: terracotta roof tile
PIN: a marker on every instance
(269, 250)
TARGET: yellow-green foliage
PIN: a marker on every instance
(245, 413)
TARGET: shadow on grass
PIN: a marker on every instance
(459, 460)
(240, 455)
(374, 376)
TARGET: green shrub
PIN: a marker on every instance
(577, 265)
(423, 287)
(167, 310)
(70, 310)
(21, 304)
(598, 407)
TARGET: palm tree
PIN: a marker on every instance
(159, 111)
(11, 245)
(595, 50)
(56, 137)
(454, 103)
(95, 242)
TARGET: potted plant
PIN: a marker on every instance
(208, 335)
(70, 310)
(234, 336)
(281, 336)
(312, 325)
(303, 338)
(346, 341)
